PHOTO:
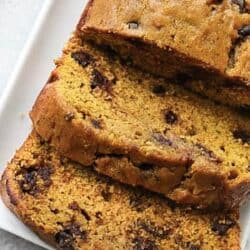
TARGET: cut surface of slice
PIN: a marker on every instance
(202, 40)
(75, 208)
(142, 130)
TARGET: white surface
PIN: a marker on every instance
(16, 20)
(53, 29)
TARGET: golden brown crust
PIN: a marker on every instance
(84, 15)
(77, 209)
(220, 49)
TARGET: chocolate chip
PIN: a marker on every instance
(29, 182)
(243, 135)
(208, 153)
(76, 231)
(83, 58)
(67, 237)
(245, 31)
(170, 117)
(45, 173)
(133, 25)
(96, 123)
(141, 243)
(221, 226)
(85, 214)
(191, 131)
(54, 210)
(146, 166)
(74, 206)
(30, 177)
(98, 215)
(106, 195)
(248, 168)
(42, 141)
(69, 116)
(99, 80)
(241, 4)
(99, 219)
(159, 90)
(194, 247)
(161, 139)
(155, 231)
(65, 240)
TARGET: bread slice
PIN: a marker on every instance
(143, 130)
(207, 40)
(75, 208)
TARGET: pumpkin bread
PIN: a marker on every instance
(75, 208)
(144, 130)
(205, 40)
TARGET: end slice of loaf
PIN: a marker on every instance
(75, 208)
(203, 40)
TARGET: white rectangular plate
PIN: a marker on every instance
(54, 25)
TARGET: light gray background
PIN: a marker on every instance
(16, 21)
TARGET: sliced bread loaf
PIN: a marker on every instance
(143, 130)
(74, 208)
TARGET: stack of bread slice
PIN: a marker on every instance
(122, 155)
